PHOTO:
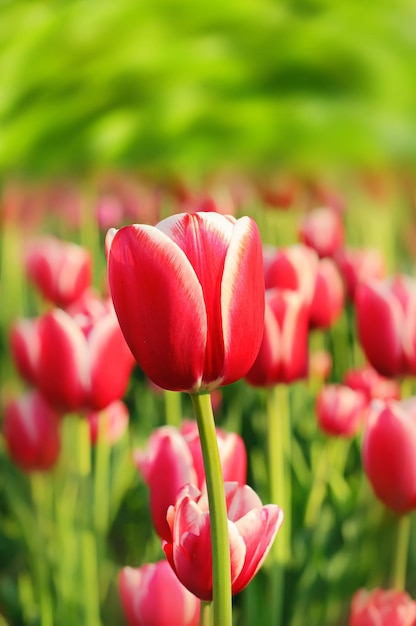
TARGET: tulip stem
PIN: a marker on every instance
(279, 446)
(221, 562)
(400, 557)
(206, 614)
(173, 408)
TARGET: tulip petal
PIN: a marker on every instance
(242, 300)
(160, 306)
(258, 529)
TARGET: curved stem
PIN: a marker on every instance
(400, 557)
(221, 564)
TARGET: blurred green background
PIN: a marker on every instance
(186, 87)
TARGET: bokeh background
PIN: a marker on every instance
(173, 86)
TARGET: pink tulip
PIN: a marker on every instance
(252, 529)
(283, 355)
(152, 595)
(59, 269)
(382, 607)
(385, 313)
(340, 410)
(323, 230)
(173, 458)
(372, 384)
(110, 423)
(389, 453)
(293, 268)
(328, 298)
(78, 361)
(189, 296)
(359, 265)
(31, 431)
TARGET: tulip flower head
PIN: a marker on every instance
(323, 230)
(60, 270)
(328, 298)
(109, 424)
(389, 453)
(340, 410)
(372, 384)
(31, 429)
(152, 595)
(173, 458)
(252, 529)
(382, 607)
(189, 297)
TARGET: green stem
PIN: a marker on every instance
(401, 552)
(173, 408)
(206, 614)
(221, 563)
(101, 479)
(279, 454)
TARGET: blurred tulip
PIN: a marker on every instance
(24, 346)
(173, 458)
(328, 298)
(189, 296)
(78, 361)
(358, 265)
(283, 355)
(340, 410)
(110, 423)
(152, 595)
(293, 268)
(385, 313)
(320, 364)
(372, 384)
(252, 529)
(323, 230)
(389, 454)
(59, 269)
(31, 429)
(382, 607)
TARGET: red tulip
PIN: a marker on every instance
(78, 361)
(31, 431)
(173, 458)
(328, 298)
(389, 454)
(340, 410)
(293, 268)
(385, 312)
(59, 269)
(323, 230)
(189, 296)
(382, 607)
(252, 529)
(283, 355)
(24, 345)
(152, 595)
(359, 265)
(372, 384)
(110, 423)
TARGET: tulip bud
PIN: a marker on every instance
(283, 354)
(384, 309)
(189, 297)
(293, 268)
(323, 230)
(152, 595)
(359, 265)
(110, 423)
(328, 298)
(173, 458)
(382, 607)
(372, 384)
(390, 433)
(340, 410)
(31, 432)
(60, 270)
(252, 529)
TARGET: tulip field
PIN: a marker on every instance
(208, 401)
